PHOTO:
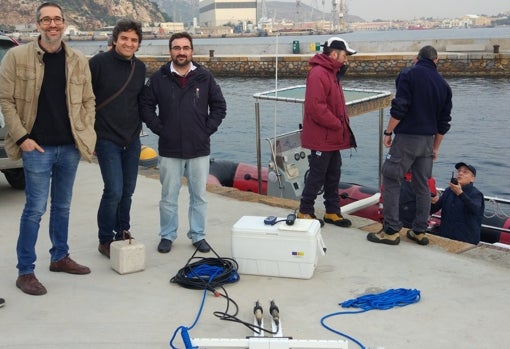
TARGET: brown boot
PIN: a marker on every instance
(67, 265)
(104, 249)
(29, 284)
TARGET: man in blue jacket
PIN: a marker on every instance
(420, 117)
(191, 108)
(462, 206)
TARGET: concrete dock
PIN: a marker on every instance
(464, 288)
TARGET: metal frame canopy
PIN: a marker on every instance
(358, 101)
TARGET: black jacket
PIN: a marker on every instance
(187, 116)
(461, 216)
(423, 100)
(118, 121)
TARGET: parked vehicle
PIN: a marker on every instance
(13, 170)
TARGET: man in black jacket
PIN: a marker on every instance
(118, 127)
(420, 117)
(462, 206)
(191, 108)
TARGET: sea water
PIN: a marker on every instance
(478, 134)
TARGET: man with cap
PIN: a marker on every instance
(420, 117)
(326, 131)
(462, 206)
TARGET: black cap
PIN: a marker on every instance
(470, 167)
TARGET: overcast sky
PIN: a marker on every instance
(409, 9)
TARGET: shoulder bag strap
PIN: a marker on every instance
(116, 94)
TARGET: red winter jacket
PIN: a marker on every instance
(325, 122)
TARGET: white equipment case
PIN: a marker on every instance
(277, 250)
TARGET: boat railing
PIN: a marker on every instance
(495, 210)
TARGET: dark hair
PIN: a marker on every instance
(180, 36)
(428, 52)
(47, 4)
(127, 24)
(327, 50)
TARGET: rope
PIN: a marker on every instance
(382, 301)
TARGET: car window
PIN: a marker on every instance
(5, 44)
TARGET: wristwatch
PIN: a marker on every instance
(387, 133)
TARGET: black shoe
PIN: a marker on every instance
(165, 246)
(2, 302)
(202, 246)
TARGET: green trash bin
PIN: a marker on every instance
(295, 46)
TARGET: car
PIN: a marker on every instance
(12, 169)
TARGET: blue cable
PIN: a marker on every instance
(184, 330)
(382, 301)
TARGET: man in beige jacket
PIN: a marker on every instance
(49, 108)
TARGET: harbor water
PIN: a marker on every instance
(479, 127)
(478, 133)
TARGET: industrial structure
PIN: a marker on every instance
(215, 13)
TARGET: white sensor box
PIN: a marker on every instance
(277, 250)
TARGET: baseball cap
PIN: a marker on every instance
(470, 167)
(339, 44)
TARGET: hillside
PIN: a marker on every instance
(85, 14)
(94, 14)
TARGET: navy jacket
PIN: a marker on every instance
(118, 121)
(461, 216)
(187, 116)
(423, 100)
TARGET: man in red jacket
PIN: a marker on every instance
(326, 130)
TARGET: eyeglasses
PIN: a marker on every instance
(47, 20)
(184, 48)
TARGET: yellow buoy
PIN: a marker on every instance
(148, 157)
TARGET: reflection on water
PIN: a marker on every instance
(479, 133)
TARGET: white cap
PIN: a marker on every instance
(339, 44)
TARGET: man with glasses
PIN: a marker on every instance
(191, 108)
(48, 103)
(326, 131)
(462, 206)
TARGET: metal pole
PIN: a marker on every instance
(381, 120)
(259, 154)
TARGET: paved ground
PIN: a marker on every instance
(464, 289)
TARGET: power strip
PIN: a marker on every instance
(268, 343)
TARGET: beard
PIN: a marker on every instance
(181, 61)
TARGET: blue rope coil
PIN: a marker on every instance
(383, 301)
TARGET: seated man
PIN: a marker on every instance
(462, 207)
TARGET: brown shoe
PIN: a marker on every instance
(67, 265)
(29, 284)
(104, 249)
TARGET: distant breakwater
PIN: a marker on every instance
(373, 65)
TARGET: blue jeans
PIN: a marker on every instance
(54, 170)
(119, 168)
(171, 171)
